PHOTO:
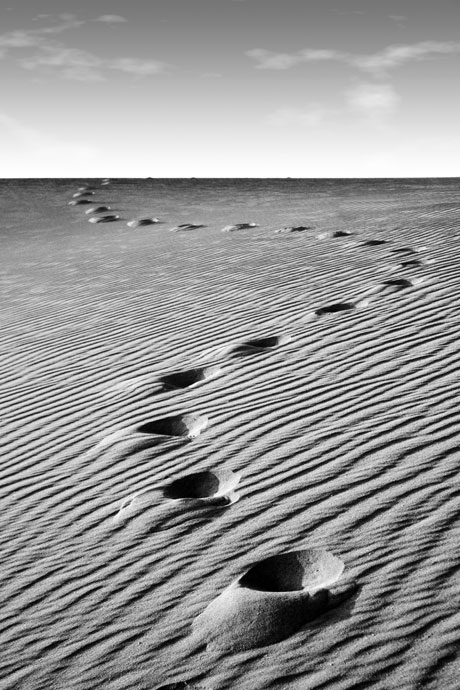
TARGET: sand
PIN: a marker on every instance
(147, 374)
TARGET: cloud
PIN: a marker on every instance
(376, 64)
(305, 117)
(375, 101)
(141, 68)
(111, 19)
(51, 56)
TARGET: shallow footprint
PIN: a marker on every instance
(388, 287)
(416, 263)
(257, 345)
(103, 219)
(239, 226)
(294, 228)
(407, 251)
(98, 209)
(187, 226)
(188, 378)
(335, 234)
(373, 243)
(82, 194)
(80, 202)
(137, 222)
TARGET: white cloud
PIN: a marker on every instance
(141, 68)
(305, 117)
(376, 64)
(111, 19)
(375, 101)
(54, 57)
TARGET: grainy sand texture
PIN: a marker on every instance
(230, 435)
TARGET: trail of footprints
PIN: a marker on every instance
(280, 594)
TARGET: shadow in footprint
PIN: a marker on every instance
(187, 226)
(188, 378)
(104, 219)
(342, 233)
(98, 209)
(138, 222)
(373, 243)
(294, 228)
(259, 345)
(334, 308)
(80, 202)
(407, 251)
(239, 226)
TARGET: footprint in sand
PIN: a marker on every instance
(82, 194)
(181, 685)
(239, 226)
(189, 425)
(272, 601)
(138, 222)
(372, 243)
(185, 227)
(335, 308)
(294, 228)
(201, 489)
(416, 263)
(188, 378)
(407, 251)
(80, 202)
(259, 345)
(103, 219)
(206, 489)
(391, 286)
(98, 209)
(335, 234)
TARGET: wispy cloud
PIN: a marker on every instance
(375, 101)
(111, 19)
(51, 56)
(376, 64)
(305, 117)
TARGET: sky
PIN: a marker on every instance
(230, 88)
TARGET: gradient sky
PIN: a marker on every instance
(230, 88)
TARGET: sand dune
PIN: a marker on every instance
(151, 379)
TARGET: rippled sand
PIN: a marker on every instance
(321, 367)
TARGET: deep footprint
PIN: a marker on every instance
(203, 489)
(183, 425)
(373, 243)
(271, 601)
(334, 308)
(190, 377)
